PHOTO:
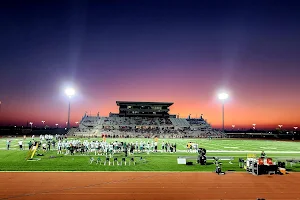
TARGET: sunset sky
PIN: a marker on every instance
(176, 51)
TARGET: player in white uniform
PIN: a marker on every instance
(148, 147)
(59, 147)
(97, 148)
(136, 146)
(21, 144)
(111, 150)
(92, 147)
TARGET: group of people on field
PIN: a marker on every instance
(103, 147)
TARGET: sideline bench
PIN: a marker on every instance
(182, 160)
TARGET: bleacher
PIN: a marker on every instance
(134, 121)
(145, 119)
(179, 122)
(71, 131)
(144, 127)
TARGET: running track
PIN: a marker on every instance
(146, 186)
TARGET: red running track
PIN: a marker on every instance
(147, 186)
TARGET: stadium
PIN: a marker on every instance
(149, 100)
(144, 119)
(144, 138)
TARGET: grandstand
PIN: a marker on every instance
(144, 119)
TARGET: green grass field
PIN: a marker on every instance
(15, 159)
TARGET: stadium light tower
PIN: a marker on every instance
(30, 125)
(56, 125)
(69, 92)
(280, 126)
(76, 123)
(295, 127)
(223, 96)
(232, 126)
(254, 126)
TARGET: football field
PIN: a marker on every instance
(15, 159)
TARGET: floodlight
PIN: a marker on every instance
(223, 96)
(70, 92)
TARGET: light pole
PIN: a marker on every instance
(76, 123)
(253, 126)
(223, 97)
(280, 126)
(56, 125)
(295, 127)
(30, 125)
(69, 92)
(232, 126)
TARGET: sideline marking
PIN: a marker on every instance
(268, 147)
(231, 147)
